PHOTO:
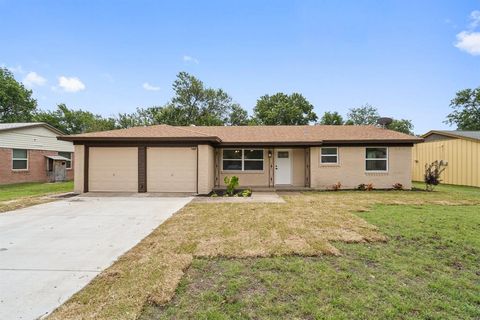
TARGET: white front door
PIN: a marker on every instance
(283, 167)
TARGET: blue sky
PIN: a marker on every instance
(408, 58)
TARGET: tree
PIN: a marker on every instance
(401, 125)
(283, 109)
(364, 115)
(16, 102)
(195, 104)
(238, 116)
(75, 121)
(331, 118)
(466, 110)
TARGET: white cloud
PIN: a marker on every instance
(190, 59)
(469, 40)
(475, 19)
(147, 86)
(34, 79)
(70, 84)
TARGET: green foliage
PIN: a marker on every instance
(364, 115)
(466, 110)
(238, 116)
(74, 121)
(402, 125)
(283, 109)
(246, 193)
(16, 102)
(369, 115)
(231, 183)
(331, 118)
(432, 174)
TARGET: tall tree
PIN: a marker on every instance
(195, 104)
(16, 102)
(364, 115)
(331, 118)
(75, 121)
(238, 116)
(283, 109)
(401, 125)
(466, 110)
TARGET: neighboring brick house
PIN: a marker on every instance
(30, 152)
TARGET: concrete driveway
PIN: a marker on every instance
(50, 251)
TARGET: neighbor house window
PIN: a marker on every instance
(376, 159)
(19, 159)
(329, 155)
(242, 159)
(67, 155)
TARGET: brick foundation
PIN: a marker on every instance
(37, 167)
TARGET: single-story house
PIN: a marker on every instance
(195, 159)
(459, 150)
(31, 152)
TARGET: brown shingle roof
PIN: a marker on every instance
(316, 134)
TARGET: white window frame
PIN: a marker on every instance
(13, 159)
(242, 160)
(71, 160)
(369, 159)
(329, 155)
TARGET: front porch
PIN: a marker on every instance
(271, 168)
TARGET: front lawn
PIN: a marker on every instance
(322, 254)
(429, 269)
(15, 196)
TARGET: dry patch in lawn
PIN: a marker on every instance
(306, 225)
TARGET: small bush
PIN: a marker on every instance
(362, 187)
(336, 186)
(231, 183)
(398, 186)
(246, 193)
(432, 174)
(369, 187)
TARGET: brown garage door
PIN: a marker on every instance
(171, 169)
(113, 169)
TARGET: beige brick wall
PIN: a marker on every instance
(350, 171)
(78, 165)
(206, 159)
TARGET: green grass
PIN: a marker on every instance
(428, 269)
(23, 190)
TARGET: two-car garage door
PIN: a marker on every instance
(167, 169)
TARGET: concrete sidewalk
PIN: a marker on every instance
(50, 251)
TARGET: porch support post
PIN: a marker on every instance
(217, 168)
(271, 171)
(307, 167)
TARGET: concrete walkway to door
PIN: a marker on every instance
(50, 251)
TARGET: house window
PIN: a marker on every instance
(67, 155)
(19, 159)
(329, 155)
(376, 159)
(242, 160)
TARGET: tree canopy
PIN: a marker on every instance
(364, 115)
(16, 102)
(74, 121)
(283, 109)
(466, 110)
(331, 118)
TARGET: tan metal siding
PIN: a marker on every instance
(36, 138)
(463, 157)
(298, 167)
(172, 169)
(113, 169)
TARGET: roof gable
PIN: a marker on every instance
(23, 125)
(461, 134)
